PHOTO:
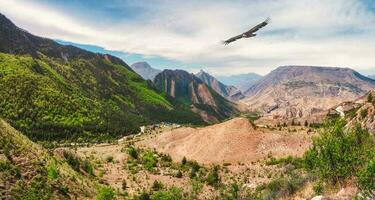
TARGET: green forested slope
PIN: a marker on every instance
(53, 91)
(48, 99)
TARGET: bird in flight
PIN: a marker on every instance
(249, 33)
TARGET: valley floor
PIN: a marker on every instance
(240, 151)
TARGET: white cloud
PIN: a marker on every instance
(321, 32)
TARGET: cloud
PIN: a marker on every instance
(321, 32)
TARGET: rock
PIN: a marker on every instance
(320, 197)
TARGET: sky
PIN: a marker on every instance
(188, 34)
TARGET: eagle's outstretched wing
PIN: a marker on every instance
(259, 26)
(232, 39)
(249, 33)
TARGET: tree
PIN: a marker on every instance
(213, 177)
(338, 153)
(183, 162)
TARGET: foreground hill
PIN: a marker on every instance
(232, 141)
(53, 91)
(300, 91)
(145, 70)
(227, 91)
(28, 171)
(188, 90)
(241, 81)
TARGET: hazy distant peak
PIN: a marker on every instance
(145, 70)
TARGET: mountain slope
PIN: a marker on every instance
(299, 91)
(230, 92)
(372, 77)
(28, 171)
(145, 70)
(241, 81)
(189, 91)
(359, 111)
(52, 91)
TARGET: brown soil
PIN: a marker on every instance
(233, 141)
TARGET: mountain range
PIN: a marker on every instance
(241, 81)
(227, 91)
(188, 90)
(300, 91)
(53, 91)
(145, 70)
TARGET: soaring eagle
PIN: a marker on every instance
(249, 33)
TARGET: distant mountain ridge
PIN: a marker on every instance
(372, 77)
(145, 70)
(241, 81)
(227, 91)
(188, 90)
(299, 91)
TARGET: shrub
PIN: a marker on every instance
(370, 98)
(142, 196)
(87, 167)
(179, 174)
(172, 194)
(183, 162)
(194, 168)
(72, 160)
(213, 177)
(149, 161)
(52, 170)
(363, 113)
(123, 185)
(337, 154)
(133, 152)
(366, 179)
(318, 187)
(109, 159)
(105, 193)
(156, 186)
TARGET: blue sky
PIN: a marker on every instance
(188, 34)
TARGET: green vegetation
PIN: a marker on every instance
(52, 170)
(27, 171)
(79, 165)
(149, 160)
(363, 113)
(280, 187)
(105, 193)
(213, 177)
(339, 154)
(133, 152)
(84, 99)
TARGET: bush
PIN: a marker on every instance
(213, 177)
(179, 174)
(109, 159)
(363, 113)
(72, 160)
(183, 162)
(156, 186)
(366, 179)
(172, 194)
(337, 154)
(105, 193)
(133, 152)
(318, 187)
(87, 167)
(149, 161)
(52, 170)
(370, 98)
(142, 196)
